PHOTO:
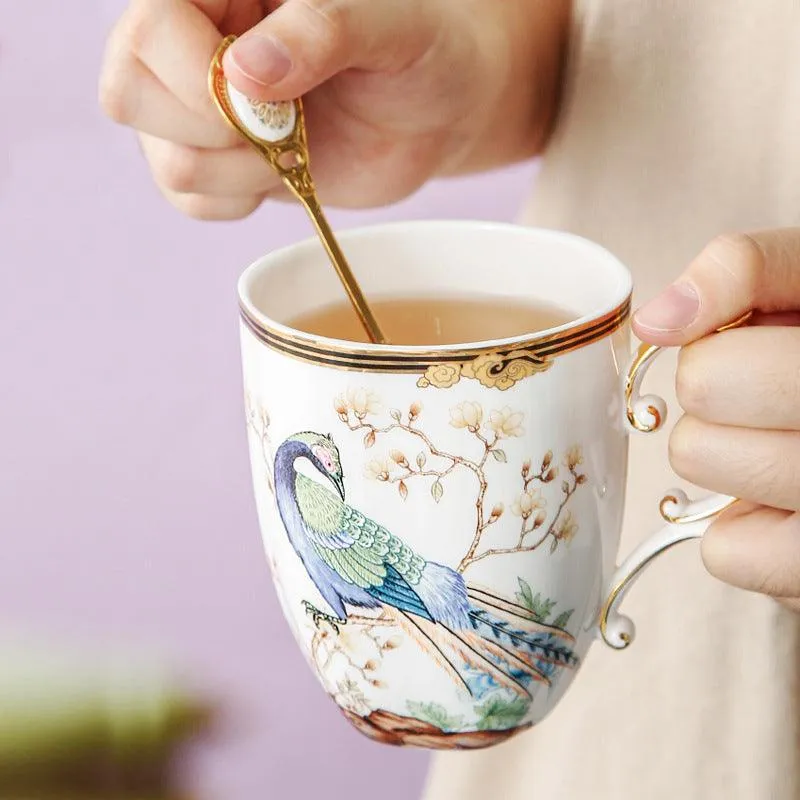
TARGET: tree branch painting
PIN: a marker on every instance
(486, 432)
(510, 646)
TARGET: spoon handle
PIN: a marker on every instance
(278, 132)
(336, 256)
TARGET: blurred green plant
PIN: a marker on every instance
(78, 727)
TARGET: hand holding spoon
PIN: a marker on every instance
(278, 132)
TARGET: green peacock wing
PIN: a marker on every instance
(353, 545)
(373, 538)
(325, 516)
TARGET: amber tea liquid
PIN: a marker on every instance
(436, 320)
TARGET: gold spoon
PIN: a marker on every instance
(278, 132)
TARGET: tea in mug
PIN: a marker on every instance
(440, 320)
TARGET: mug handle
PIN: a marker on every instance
(686, 519)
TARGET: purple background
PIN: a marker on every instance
(125, 500)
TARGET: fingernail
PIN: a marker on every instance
(675, 308)
(263, 59)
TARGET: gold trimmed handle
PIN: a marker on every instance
(685, 519)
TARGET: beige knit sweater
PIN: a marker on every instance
(681, 121)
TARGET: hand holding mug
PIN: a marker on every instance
(740, 391)
(443, 521)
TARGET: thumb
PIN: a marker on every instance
(304, 42)
(733, 275)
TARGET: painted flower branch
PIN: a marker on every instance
(488, 432)
(258, 422)
(349, 661)
(530, 505)
(357, 405)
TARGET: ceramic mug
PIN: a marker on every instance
(442, 522)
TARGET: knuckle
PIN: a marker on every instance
(117, 90)
(740, 256)
(691, 382)
(330, 22)
(682, 450)
(179, 168)
(775, 579)
(114, 98)
(139, 22)
(770, 471)
(199, 207)
(215, 209)
(761, 473)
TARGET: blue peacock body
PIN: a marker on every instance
(357, 563)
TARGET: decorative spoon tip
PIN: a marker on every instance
(277, 131)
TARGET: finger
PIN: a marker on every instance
(132, 95)
(305, 42)
(733, 275)
(207, 207)
(784, 318)
(792, 603)
(758, 551)
(237, 171)
(756, 465)
(176, 40)
(748, 378)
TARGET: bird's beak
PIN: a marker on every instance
(338, 482)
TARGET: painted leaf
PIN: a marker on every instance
(565, 487)
(395, 414)
(403, 489)
(421, 459)
(437, 490)
(562, 620)
(540, 608)
(369, 440)
(524, 595)
(500, 714)
(553, 546)
(436, 715)
(500, 455)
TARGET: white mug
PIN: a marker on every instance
(443, 522)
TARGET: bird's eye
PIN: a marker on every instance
(325, 458)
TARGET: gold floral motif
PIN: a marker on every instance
(273, 115)
(441, 376)
(492, 370)
(502, 371)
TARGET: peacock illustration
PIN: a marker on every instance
(356, 563)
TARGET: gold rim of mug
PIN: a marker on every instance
(497, 367)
